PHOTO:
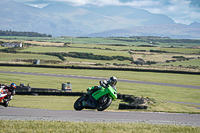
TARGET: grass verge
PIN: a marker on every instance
(185, 79)
(83, 127)
(67, 103)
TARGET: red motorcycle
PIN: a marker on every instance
(3, 100)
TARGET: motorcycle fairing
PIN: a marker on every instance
(104, 91)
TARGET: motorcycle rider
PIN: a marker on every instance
(10, 91)
(112, 81)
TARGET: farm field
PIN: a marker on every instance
(146, 56)
(143, 56)
(158, 41)
(74, 49)
(13, 57)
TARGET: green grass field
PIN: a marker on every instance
(67, 103)
(79, 61)
(186, 79)
(12, 56)
(181, 50)
(107, 47)
(74, 49)
(108, 40)
(83, 127)
(186, 63)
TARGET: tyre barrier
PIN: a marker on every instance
(129, 99)
(120, 96)
(132, 102)
(129, 106)
(36, 93)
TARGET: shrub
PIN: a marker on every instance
(178, 57)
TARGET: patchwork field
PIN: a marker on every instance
(138, 53)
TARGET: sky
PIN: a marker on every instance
(181, 11)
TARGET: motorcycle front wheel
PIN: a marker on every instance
(78, 104)
(103, 103)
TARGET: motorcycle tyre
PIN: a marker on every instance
(5, 104)
(105, 106)
(76, 106)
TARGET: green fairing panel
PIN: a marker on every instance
(103, 92)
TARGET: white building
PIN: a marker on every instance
(12, 44)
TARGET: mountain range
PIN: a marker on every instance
(108, 21)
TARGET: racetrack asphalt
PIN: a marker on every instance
(13, 113)
(101, 78)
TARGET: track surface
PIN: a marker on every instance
(101, 78)
(12, 113)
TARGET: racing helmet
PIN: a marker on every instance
(112, 80)
(13, 85)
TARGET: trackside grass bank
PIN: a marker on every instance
(185, 79)
(67, 103)
(83, 127)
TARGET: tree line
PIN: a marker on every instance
(155, 40)
(87, 56)
(21, 33)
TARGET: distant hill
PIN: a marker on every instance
(66, 20)
(140, 16)
(163, 30)
(16, 16)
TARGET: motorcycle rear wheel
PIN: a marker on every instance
(103, 106)
(78, 104)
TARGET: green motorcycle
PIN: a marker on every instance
(100, 99)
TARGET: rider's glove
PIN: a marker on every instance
(103, 83)
(89, 90)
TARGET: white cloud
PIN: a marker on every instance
(89, 2)
(180, 11)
